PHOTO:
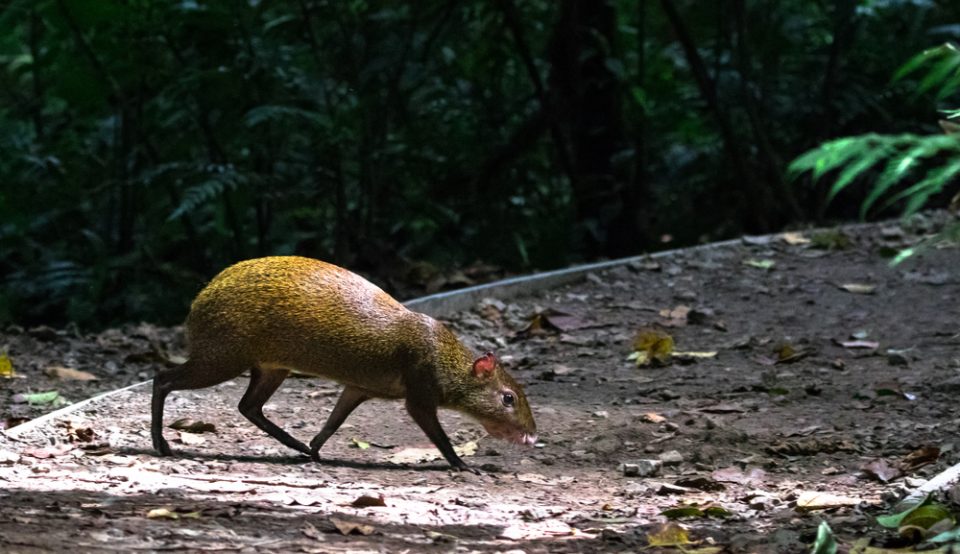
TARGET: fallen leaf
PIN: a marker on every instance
(701, 483)
(651, 417)
(892, 521)
(694, 510)
(669, 534)
(68, 374)
(794, 238)
(651, 346)
(882, 471)
(858, 288)
(832, 239)
(860, 344)
(825, 542)
(357, 443)
(919, 458)
(760, 264)
(45, 452)
(193, 426)
(692, 356)
(6, 366)
(167, 513)
(367, 501)
(352, 528)
(928, 520)
(815, 500)
(191, 438)
(39, 398)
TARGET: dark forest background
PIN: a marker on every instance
(145, 145)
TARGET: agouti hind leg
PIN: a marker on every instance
(192, 374)
(349, 399)
(263, 383)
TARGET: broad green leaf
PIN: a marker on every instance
(825, 542)
(894, 520)
(919, 521)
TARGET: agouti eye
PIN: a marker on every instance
(508, 399)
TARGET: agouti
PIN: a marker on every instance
(280, 314)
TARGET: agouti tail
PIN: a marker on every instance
(280, 314)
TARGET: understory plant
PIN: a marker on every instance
(909, 169)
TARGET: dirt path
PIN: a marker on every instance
(826, 362)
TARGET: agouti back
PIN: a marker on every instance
(280, 314)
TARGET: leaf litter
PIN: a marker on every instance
(757, 439)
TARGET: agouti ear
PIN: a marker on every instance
(484, 365)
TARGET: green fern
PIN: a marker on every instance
(898, 158)
(262, 114)
(218, 180)
(898, 155)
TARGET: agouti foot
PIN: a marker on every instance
(468, 469)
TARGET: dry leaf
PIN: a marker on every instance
(651, 417)
(68, 373)
(815, 500)
(367, 501)
(919, 458)
(794, 238)
(858, 288)
(193, 426)
(669, 534)
(6, 366)
(882, 471)
(868, 344)
(191, 438)
(350, 527)
(651, 346)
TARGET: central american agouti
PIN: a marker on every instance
(280, 314)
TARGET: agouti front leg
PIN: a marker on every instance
(349, 399)
(263, 383)
(426, 417)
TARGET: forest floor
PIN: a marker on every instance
(822, 386)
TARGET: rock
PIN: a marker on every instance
(671, 458)
(641, 468)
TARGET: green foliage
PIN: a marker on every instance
(896, 159)
(922, 165)
(148, 144)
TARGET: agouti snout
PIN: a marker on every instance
(280, 314)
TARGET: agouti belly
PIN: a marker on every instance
(280, 314)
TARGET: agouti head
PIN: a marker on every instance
(497, 401)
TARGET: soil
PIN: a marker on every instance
(817, 384)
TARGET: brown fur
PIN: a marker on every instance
(286, 313)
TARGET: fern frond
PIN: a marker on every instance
(933, 183)
(262, 114)
(868, 158)
(900, 163)
(922, 58)
(828, 156)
